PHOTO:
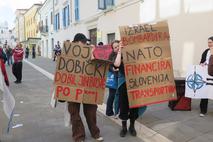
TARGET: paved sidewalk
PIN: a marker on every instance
(41, 123)
(161, 122)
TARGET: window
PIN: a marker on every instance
(57, 22)
(66, 16)
(110, 37)
(51, 18)
(104, 4)
(76, 10)
(56, 2)
(40, 26)
(109, 3)
(46, 25)
(101, 4)
(93, 36)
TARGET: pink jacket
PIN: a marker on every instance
(18, 54)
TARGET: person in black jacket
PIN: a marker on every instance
(205, 61)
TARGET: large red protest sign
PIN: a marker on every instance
(77, 78)
(148, 64)
(103, 52)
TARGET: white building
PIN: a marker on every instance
(62, 20)
(189, 23)
(188, 26)
(6, 35)
(19, 25)
(46, 28)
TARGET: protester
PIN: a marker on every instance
(33, 52)
(205, 61)
(17, 66)
(2, 63)
(113, 89)
(8, 51)
(100, 43)
(89, 111)
(26, 52)
(210, 65)
(125, 112)
(57, 50)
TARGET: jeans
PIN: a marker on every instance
(116, 103)
(9, 60)
(110, 101)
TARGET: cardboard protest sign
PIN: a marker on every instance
(77, 78)
(103, 52)
(148, 64)
(199, 85)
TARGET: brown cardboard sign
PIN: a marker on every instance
(148, 64)
(77, 78)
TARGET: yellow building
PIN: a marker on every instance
(31, 27)
(30, 21)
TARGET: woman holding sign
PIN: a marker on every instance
(125, 112)
(205, 61)
(113, 95)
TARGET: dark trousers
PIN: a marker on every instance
(126, 112)
(26, 55)
(17, 70)
(110, 100)
(77, 124)
(33, 54)
(9, 60)
(203, 106)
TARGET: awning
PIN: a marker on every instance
(31, 41)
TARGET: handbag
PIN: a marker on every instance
(112, 80)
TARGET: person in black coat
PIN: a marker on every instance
(33, 52)
(27, 52)
(205, 61)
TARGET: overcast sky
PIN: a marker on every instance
(8, 7)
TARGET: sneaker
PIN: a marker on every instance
(17, 82)
(116, 116)
(132, 131)
(202, 115)
(99, 139)
(123, 132)
(80, 140)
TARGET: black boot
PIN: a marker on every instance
(124, 129)
(132, 130)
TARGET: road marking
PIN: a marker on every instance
(143, 132)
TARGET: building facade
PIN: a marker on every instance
(31, 28)
(186, 20)
(19, 25)
(99, 20)
(46, 28)
(30, 21)
(62, 20)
